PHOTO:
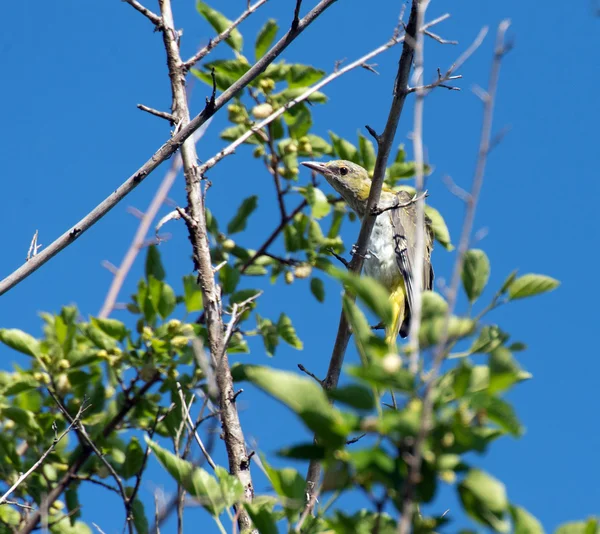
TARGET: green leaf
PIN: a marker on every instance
(167, 300)
(154, 265)
(504, 370)
(115, 329)
(99, 338)
(134, 458)
(265, 38)
(490, 338)
(524, 522)
(24, 419)
(484, 499)
(301, 76)
(234, 132)
(304, 451)
(220, 23)
(232, 490)
(238, 223)
(301, 123)
(438, 225)
(432, 330)
(288, 484)
(529, 285)
(286, 331)
(140, 522)
(368, 290)
(317, 288)
(319, 145)
(475, 273)
(580, 527)
(367, 153)
(354, 395)
(9, 517)
(344, 149)
(262, 518)
(269, 333)
(359, 325)
(229, 277)
(192, 295)
(317, 200)
(290, 94)
(303, 396)
(20, 341)
(197, 482)
(498, 411)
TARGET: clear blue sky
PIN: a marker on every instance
(70, 133)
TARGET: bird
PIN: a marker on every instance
(391, 249)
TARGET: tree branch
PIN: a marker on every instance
(416, 460)
(150, 15)
(163, 153)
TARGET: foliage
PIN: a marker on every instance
(133, 374)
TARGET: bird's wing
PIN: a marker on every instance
(404, 224)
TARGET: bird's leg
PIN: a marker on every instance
(369, 254)
(378, 326)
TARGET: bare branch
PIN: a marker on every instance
(150, 15)
(33, 247)
(416, 459)
(203, 52)
(157, 113)
(162, 154)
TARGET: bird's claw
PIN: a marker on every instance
(368, 254)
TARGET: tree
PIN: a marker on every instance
(101, 396)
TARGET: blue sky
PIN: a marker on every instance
(74, 72)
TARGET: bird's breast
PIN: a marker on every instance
(380, 262)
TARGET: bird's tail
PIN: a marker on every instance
(399, 310)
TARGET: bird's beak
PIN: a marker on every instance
(315, 166)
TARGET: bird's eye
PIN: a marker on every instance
(343, 171)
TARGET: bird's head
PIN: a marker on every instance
(348, 179)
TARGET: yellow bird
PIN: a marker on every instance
(391, 249)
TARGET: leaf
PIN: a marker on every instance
(140, 522)
(319, 205)
(490, 338)
(292, 93)
(238, 223)
(354, 395)
(192, 296)
(319, 145)
(20, 341)
(288, 484)
(269, 333)
(301, 76)
(265, 37)
(286, 331)
(220, 23)
(24, 419)
(504, 371)
(475, 273)
(367, 153)
(166, 301)
(232, 490)
(301, 123)
(438, 225)
(196, 481)
(304, 397)
(432, 330)
(317, 288)
(524, 522)
(484, 499)
(368, 290)
(304, 451)
(234, 132)
(262, 518)
(344, 149)
(134, 458)
(229, 277)
(529, 285)
(114, 328)
(579, 527)
(154, 265)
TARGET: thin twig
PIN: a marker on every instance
(74, 422)
(157, 113)
(191, 427)
(416, 459)
(203, 52)
(153, 17)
